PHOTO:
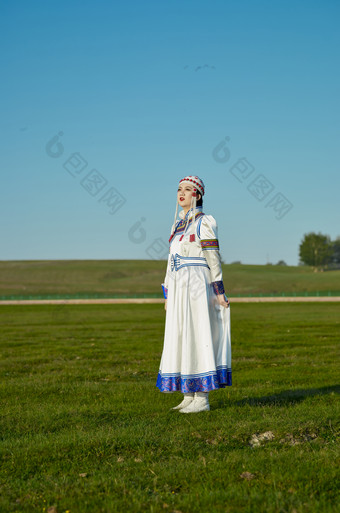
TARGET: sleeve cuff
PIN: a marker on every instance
(218, 287)
(165, 291)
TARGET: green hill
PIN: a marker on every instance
(109, 278)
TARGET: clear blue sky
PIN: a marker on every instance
(143, 93)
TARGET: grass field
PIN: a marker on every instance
(84, 429)
(144, 277)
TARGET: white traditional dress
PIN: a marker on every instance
(197, 346)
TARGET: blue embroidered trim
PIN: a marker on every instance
(180, 226)
(204, 382)
(199, 227)
(218, 287)
(165, 291)
(178, 261)
(191, 211)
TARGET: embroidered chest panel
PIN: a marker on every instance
(181, 225)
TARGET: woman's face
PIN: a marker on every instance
(184, 194)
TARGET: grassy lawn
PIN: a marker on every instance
(84, 429)
(144, 277)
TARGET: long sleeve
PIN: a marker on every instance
(210, 248)
(166, 279)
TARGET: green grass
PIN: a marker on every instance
(84, 429)
(87, 278)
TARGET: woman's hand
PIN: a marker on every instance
(223, 300)
(165, 304)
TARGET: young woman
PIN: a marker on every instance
(197, 348)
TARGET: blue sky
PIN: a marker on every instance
(144, 93)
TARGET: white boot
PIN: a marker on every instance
(200, 403)
(188, 398)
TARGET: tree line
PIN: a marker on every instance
(319, 251)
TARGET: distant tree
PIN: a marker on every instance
(336, 250)
(281, 262)
(316, 250)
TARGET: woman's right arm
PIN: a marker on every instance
(167, 274)
(165, 282)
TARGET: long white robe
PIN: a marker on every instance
(197, 346)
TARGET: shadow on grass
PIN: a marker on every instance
(288, 396)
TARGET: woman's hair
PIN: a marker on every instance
(199, 202)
